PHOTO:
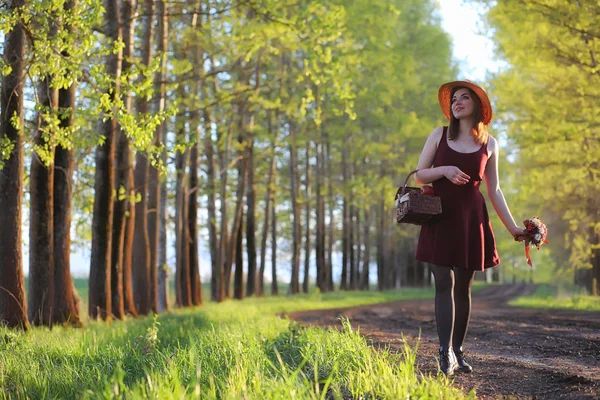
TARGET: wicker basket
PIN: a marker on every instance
(414, 207)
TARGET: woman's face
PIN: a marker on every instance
(462, 103)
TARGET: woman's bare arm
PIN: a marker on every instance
(492, 184)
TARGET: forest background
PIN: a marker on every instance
(273, 134)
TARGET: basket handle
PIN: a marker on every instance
(403, 187)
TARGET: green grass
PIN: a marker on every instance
(547, 296)
(232, 350)
(309, 301)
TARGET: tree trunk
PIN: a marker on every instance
(41, 229)
(307, 250)
(274, 283)
(364, 278)
(192, 201)
(13, 310)
(265, 231)
(595, 257)
(100, 300)
(380, 245)
(128, 300)
(119, 226)
(141, 243)
(123, 224)
(596, 270)
(211, 205)
(392, 260)
(65, 302)
(268, 195)
(65, 310)
(359, 246)
(246, 140)
(194, 267)
(396, 264)
(296, 229)
(221, 274)
(182, 282)
(346, 249)
(352, 252)
(186, 271)
(153, 173)
(160, 278)
(223, 143)
(221, 292)
(185, 285)
(331, 207)
(163, 268)
(237, 222)
(251, 225)
(140, 260)
(355, 248)
(322, 276)
(251, 203)
(238, 280)
(408, 267)
(239, 204)
(122, 157)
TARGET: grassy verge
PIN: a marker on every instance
(547, 296)
(232, 350)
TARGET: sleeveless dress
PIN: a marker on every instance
(462, 236)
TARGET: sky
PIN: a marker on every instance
(474, 52)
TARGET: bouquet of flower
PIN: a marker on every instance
(535, 234)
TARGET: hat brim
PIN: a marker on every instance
(445, 94)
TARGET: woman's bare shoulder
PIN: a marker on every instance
(436, 134)
(492, 145)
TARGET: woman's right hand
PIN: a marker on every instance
(455, 175)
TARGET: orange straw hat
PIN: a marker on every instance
(445, 94)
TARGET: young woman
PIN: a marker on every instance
(456, 159)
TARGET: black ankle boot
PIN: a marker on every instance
(447, 360)
(463, 366)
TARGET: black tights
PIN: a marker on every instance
(452, 303)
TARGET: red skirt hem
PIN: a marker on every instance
(485, 266)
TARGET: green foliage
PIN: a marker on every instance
(547, 107)
(231, 350)
(395, 81)
(66, 49)
(6, 149)
(360, 76)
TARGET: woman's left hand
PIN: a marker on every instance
(517, 233)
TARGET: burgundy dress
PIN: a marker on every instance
(462, 236)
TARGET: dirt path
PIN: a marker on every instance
(515, 352)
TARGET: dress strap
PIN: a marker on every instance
(484, 147)
(444, 134)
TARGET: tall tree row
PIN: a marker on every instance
(548, 106)
(283, 130)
